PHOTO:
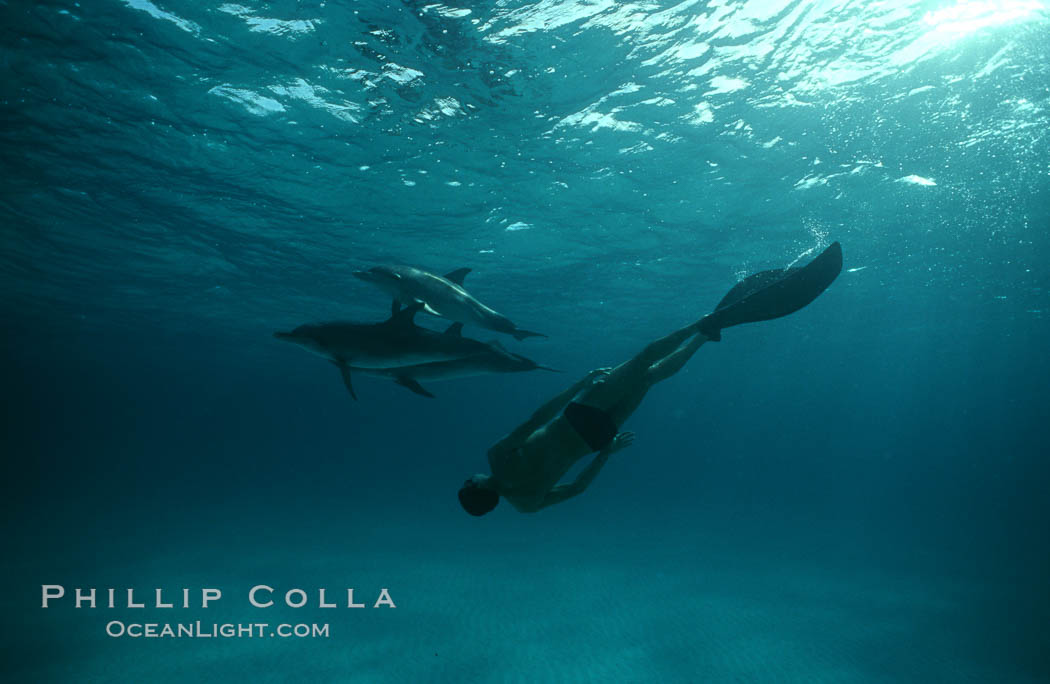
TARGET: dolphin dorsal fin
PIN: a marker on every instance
(456, 329)
(458, 275)
(406, 315)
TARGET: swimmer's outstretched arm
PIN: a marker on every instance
(546, 413)
(567, 491)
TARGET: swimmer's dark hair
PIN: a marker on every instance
(477, 500)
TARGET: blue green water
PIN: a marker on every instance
(855, 493)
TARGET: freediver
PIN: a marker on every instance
(528, 463)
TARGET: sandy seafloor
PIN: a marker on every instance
(594, 605)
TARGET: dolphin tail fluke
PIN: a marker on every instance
(772, 294)
(520, 334)
(413, 385)
(344, 371)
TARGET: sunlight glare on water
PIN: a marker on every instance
(967, 17)
(302, 138)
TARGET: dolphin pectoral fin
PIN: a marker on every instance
(431, 310)
(772, 294)
(458, 275)
(456, 330)
(344, 370)
(411, 384)
(395, 306)
(520, 334)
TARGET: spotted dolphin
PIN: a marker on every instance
(495, 359)
(441, 295)
(397, 344)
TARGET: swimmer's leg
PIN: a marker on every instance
(673, 363)
(668, 366)
(625, 387)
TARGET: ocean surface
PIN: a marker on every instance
(859, 492)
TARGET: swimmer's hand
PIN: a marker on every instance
(622, 440)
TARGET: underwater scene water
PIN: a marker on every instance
(857, 492)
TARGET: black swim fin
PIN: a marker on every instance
(771, 294)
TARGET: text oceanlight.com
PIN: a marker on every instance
(199, 630)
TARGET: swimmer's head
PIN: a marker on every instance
(478, 496)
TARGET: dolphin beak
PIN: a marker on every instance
(363, 275)
(283, 335)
